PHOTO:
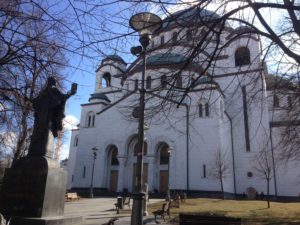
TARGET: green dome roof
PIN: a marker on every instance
(203, 80)
(164, 59)
(192, 14)
(99, 96)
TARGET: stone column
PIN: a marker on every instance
(122, 160)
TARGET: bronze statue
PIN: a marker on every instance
(49, 107)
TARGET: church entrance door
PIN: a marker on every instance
(114, 181)
(163, 181)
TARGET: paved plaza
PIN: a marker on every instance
(98, 211)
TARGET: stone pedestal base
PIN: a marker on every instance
(46, 221)
(33, 187)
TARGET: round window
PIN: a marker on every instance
(250, 174)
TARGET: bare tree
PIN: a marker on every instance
(29, 54)
(263, 167)
(221, 168)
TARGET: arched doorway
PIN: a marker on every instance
(113, 168)
(131, 164)
(163, 167)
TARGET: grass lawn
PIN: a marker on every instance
(248, 210)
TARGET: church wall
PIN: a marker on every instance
(207, 134)
(72, 158)
(227, 153)
(287, 172)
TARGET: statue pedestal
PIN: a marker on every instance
(33, 192)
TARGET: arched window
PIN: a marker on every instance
(163, 81)
(162, 39)
(275, 101)
(179, 81)
(206, 109)
(148, 82)
(136, 84)
(174, 37)
(106, 80)
(83, 172)
(242, 56)
(289, 101)
(114, 156)
(189, 35)
(164, 156)
(90, 119)
(200, 110)
(76, 141)
(203, 109)
(136, 149)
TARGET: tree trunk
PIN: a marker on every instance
(222, 188)
(268, 192)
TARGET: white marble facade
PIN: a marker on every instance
(234, 119)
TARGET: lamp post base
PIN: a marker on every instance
(137, 208)
(91, 193)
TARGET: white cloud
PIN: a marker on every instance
(64, 151)
(70, 122)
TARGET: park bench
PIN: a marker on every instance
(120, 205)
(126, 201)
(72, 196)
(175, 201)
(165, 210)
(183, 196)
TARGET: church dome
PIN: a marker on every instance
(114, 58)
(186, 16)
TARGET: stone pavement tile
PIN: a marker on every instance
(98, 211)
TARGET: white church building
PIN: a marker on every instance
(229, 111)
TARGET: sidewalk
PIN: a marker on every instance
(98, 211)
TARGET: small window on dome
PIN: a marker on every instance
(242, 56)
(189, 35)
(174, 37)
(162, 39)
(148, 82)
(275, 101)
(106, 80)
(289, 101)
(179, 81)
(163, 81)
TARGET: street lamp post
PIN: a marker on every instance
(146, 24)
(92, 180)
